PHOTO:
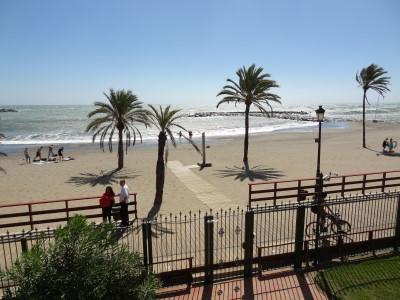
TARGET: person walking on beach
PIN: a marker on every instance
(123, 201)
(190, 134)
(51, 153)
(385, 144)
(27, 156)
(106, 203)
(60, 154)
(38, 154)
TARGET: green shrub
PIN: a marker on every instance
(84, 262)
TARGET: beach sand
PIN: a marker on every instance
(272, 156)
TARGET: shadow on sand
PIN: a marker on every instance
(103, 178)
(380, 153)
(157, 228)
(254, 173)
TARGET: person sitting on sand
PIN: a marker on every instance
(391, 146)
(385, 144)
(51, 153)
(38, 156)
(60, 154)
(106, 203)
(27, 156)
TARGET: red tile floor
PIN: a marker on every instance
(278, 285)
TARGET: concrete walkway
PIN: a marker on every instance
(204, 191)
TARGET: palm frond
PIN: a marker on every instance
(121, 111)
(166, 119)
(252, 86)
(373, 77)
(192, 143)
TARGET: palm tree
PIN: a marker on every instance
(251, 89)
(123, 111)
(164, 119)
(1, 153)
(372, 78)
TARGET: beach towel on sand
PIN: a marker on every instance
(45, 162)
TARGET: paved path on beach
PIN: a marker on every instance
(204, 191)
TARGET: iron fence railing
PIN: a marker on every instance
(216, 244)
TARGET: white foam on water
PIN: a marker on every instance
(66, 124)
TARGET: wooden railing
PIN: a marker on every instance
(53, 211)
(302, 188)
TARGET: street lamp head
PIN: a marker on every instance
(320, 114)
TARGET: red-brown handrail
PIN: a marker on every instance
(29, 212)
(55, 201)
(274, 189)
(315, 178)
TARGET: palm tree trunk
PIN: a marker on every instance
(160, 169)
(120, 151)
(365, 95)
(246, 133)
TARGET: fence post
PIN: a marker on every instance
(343, 185)
(320, 186)
(383, 181)
(67, 209)
(248, 243)
(363, 184)
(149, 245)
(134, 199)
(30, 215)
(250, 189)
(24, 244)
(397, 232)
(208, 247)
(299, 238)
(144, 235)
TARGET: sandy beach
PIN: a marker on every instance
(274, 156)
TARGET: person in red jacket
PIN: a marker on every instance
(106, 203)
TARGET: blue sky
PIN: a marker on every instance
(181, 52)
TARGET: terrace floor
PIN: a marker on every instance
(285, 284)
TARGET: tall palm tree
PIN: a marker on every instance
(122, 113)
(372, 77)
(164, 119)
(251, 89)
(1, 153)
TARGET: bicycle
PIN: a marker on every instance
(331, 230)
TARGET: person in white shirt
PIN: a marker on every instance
(123, 200)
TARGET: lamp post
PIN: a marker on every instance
(320, 118)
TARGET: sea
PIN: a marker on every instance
(65, 124)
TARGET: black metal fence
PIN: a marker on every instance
(213, 245)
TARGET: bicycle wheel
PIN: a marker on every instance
(311, 229)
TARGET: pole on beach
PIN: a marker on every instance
(319, 184)
(203, 164)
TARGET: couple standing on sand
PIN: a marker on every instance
(107, 201)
